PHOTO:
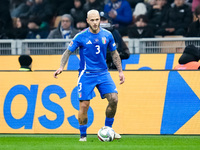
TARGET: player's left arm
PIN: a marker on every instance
(118, 64)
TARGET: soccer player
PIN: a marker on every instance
(93, 71)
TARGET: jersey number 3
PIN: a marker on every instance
(98, 49)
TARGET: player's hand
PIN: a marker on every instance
(59, 71)
(121, 77)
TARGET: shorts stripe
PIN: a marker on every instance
(81, 73)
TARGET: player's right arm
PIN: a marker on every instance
(63, 62)
(74, 44)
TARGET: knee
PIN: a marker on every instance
(84, 105)
(113, 99)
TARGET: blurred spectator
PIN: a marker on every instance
(121, 45)
(157, 12)
(35, 30)
(5, 16)
(93, 4)
(21, 22)
(120, 13)
(63, 6)
(176, 20)
(21, 29)
(150, 3)
(41, 9)
(22, 8)
(65, 30)
(189, 59)
(170, 2)
(195, 3)
(3, 34)
(133, 3)
(189, 2)
(140, 29)
(194, 28)
(79, 15)
(15, 3)
(140, 9)
(25, 62)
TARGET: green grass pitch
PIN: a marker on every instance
(70, 142)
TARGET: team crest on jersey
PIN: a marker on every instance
(71, 43)
(114, 44)
(104, 40)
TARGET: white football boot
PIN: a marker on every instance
(83, 139)
(117, 136)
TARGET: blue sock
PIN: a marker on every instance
(83, 129)
(109, 122)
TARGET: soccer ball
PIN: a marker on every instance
(106, 134)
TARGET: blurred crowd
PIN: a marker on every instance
(41, 19)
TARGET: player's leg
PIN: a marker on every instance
(82, 118)
(111, 108)
(107, 89)
(86, 86)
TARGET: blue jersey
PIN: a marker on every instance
(93, 49)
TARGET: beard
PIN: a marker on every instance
(94, 29)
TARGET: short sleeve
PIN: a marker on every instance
(112, 45)
(74, 44)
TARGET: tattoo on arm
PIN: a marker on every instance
(65, 58)
(116, 60)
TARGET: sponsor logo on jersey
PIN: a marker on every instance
(104, 40)
(89, 42)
